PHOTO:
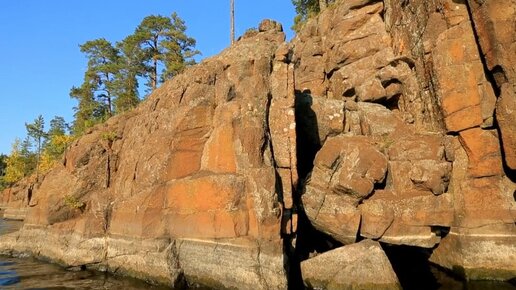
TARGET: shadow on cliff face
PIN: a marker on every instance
(307, 134)
(308, 240)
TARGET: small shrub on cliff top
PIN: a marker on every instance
(306, 9)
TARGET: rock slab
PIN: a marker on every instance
(362, 265)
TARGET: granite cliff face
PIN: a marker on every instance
(383, 121)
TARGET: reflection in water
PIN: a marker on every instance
(29, 273)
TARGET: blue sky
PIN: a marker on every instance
(39, 45)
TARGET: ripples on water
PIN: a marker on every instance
(29, 273)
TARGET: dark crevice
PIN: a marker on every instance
(231, 94)
(307, 133)
(393, 102)
(349, 93)
(306, 241)
(488, 74)
(411, 265)
(309, 243)
(108, 171)
(380, 185)
(29, 193)
(498, 77)
(440, 231)
(510, 173)
(389, 82)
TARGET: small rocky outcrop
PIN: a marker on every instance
(15, 200)
(390, 121)
(363, 265)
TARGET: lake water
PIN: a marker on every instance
(28, 273)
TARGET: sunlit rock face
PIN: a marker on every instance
(400, 98)
(390, 121)
(183, 187)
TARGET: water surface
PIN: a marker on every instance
(29, 273)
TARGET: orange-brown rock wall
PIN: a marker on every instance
(385, 120)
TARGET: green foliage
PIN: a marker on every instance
(36, 131)
(130, 68)
(20, 162)
(163, 41)
(73, 203)
(58, 126)
(158, 50)
(56, 142)
(109, 136)
(306, 9)
(36, 153)
(103, 66)
(3, 167)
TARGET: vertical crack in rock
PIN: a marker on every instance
(487, 73)
(496, 78)
(283, 140)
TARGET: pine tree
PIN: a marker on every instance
(36, 131)
(103, 65)
(58, 126)
(57, 141)
(158, 50)
(88, 111)
(163, 41)
(232, 20)
(130, 68)
(3, 167)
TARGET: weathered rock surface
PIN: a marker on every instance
(182, 187)
(363, 265)
(388, 120)
(409, 79)
(15, 200)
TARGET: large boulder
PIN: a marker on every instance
(345, 172)
(363, 265)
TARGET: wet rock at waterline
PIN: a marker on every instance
(357, 124)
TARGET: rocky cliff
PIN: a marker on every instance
(381, 121)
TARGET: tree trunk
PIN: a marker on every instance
(110, 110)
(232, 15)
(154, 76)
(38, 159)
